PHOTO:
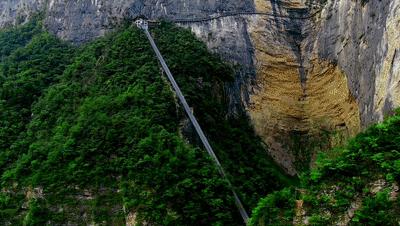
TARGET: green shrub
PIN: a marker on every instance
(275, 209)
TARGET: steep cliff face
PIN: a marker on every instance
(304, 68)
(84, 20)
(362, 38)
(296, 98)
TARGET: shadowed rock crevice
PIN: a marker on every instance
(294, 32)
(240, 89)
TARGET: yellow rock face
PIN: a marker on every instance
(281, 106)
(262, 5)
(265, 5)
(329, 103)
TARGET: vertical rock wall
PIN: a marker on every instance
(363, 40)
(296, 97)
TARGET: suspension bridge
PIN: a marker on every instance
(143, 25)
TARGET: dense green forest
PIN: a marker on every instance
(93, 134)
(357, 184)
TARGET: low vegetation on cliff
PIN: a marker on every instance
(94, 135)
(357, 184)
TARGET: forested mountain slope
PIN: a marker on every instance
(357, 184)
(94, 135)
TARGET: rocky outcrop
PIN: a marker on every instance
(303, 66)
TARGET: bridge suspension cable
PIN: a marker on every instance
(143, 25)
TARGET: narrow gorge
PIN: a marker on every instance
(285, 80)
(302, 66)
